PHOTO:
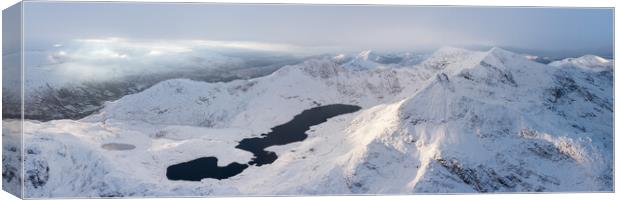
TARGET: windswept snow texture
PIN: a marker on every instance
(457, 121)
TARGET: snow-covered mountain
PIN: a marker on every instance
(459, 121)
(503, 125)
(369, 59)
(588, 62)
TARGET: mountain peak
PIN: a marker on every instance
(498, 52)
(365, 60)
(367, 55)
(591, 62)
(341, 58)
(594, 59)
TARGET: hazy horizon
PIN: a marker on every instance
(311, 29)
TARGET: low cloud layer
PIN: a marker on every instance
(112, 58)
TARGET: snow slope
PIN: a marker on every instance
(589, 62)
(460, 121)
(288, 91)
(493, 127)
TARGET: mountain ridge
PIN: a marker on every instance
(461, 121)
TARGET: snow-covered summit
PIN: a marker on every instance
(460, 121)
(590, 62)
(341, 58)
(504, 123)
(368, 55)
(365, 60)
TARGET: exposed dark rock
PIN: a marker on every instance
(38, 174)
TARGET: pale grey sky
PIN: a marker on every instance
(394, 28)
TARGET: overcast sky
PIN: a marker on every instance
(326, 26)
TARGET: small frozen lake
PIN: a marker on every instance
(118, 146)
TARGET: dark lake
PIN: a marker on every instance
(205, 167)
(289, 132)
